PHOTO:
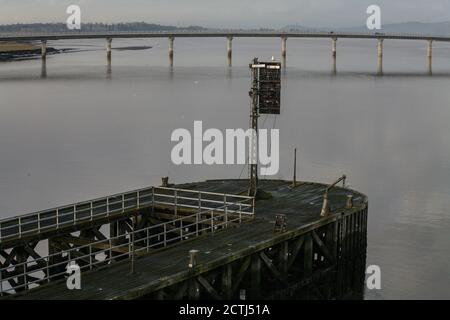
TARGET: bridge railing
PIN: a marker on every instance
(30, 274)
(113, 207)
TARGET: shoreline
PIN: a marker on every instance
(14, 51)
(27, 51)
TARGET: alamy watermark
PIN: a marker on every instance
(74, 278)
(373, 280)
(73, 22)
(374, 19)
(235, 146)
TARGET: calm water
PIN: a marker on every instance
(83, 132)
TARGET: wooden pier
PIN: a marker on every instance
(202, 240)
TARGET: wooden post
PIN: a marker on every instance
(349, 203)
(308, 256)
(227, 289)
(284, 258)
(194, 288)
(255, 276)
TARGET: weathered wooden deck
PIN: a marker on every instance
(168, 267)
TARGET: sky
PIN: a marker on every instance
(227, 13)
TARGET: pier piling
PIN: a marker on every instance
(283, 50)
(171, 40)
(380, 56)
(229, 50)
(430, 56)
(44, 49)
(333, 53)
(108, 49)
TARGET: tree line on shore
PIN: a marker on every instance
(94, 27)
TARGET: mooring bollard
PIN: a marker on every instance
(325, 207)
(193, 254)
(349, 204)
(280, 223)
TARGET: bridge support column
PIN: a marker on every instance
(333, 53)
(430, 56)
(230, 50)
(283, 50)
(44, 49)
(171, 40)
(380, 56)
(108, 49)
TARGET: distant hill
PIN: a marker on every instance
(93, 27)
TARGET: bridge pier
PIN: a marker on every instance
(171, 40)
(230, 50)
(108, 49)
(430, 56)
(283, 50)
(44, 49)
(333, 53)
(380, 56)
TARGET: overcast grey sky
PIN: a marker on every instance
(227, 13)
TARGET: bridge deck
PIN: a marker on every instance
(235, 34)
(157, 270)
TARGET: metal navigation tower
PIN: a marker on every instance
(265, 99)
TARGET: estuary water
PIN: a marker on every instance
(77, 129)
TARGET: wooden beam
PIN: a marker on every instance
(209, 288)
(271, 267)
(181, 291)
(297, 246)
(241, 273)
(9, 258)
(322, 247)
(98, 234)
(38, 259)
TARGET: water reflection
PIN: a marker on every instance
(43, 68)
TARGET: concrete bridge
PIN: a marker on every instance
(109, 36)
